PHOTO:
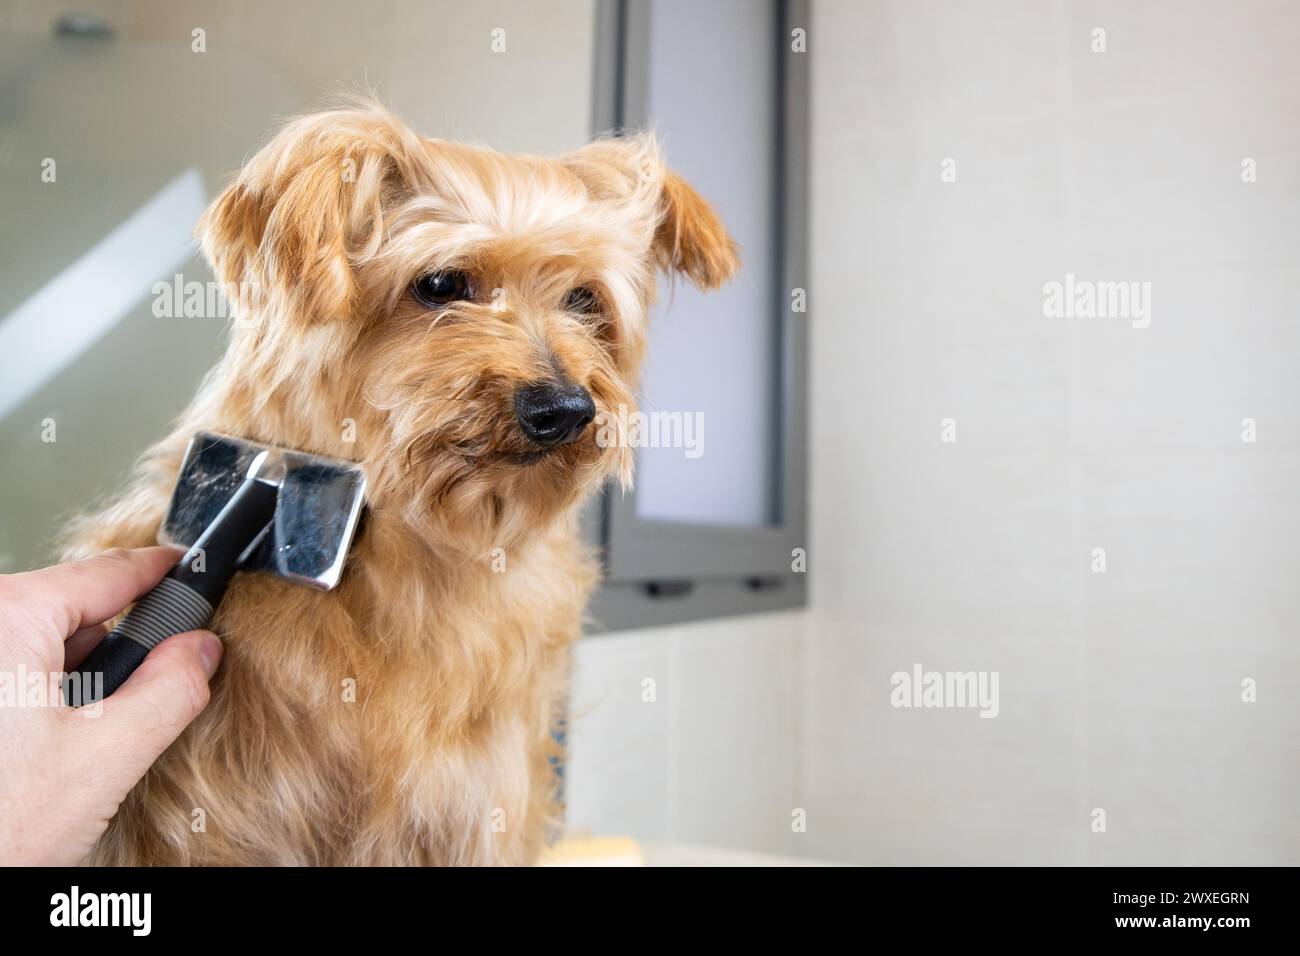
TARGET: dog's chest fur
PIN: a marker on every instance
(406, 717)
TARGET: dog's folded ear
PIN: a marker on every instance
(308, 206)
(686, 234)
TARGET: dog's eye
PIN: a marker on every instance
(439, 288)
(581, 301)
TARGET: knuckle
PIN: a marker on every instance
(191, 687)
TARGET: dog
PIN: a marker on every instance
(454, 319)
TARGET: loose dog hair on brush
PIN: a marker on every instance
(452, 318)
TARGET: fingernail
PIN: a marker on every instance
(210, 654)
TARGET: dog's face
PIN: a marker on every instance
(456, 317)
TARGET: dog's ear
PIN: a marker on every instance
(310, 205)
(691, 237)
(687, 235)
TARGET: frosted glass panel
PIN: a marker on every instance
(712, 98)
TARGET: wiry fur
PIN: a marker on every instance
(460, 671)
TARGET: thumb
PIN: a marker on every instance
(143, 716)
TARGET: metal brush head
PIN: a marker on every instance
(316, 514)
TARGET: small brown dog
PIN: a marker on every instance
(452, 318)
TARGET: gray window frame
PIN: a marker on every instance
(661, 572)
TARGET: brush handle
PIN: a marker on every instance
(184, 600)
(170, 608)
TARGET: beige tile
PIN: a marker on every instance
(618, 776)
(736, 732)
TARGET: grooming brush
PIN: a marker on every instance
(237, 506)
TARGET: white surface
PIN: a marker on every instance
(671, 854)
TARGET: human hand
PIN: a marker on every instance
(63, 772)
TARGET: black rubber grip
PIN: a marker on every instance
(104, 670)
(170, 608)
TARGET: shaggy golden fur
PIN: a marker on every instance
(459, 670)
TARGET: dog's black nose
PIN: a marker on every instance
(553, 414)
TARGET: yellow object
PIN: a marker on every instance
(593, 851)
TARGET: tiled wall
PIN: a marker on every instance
(1119, 690)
